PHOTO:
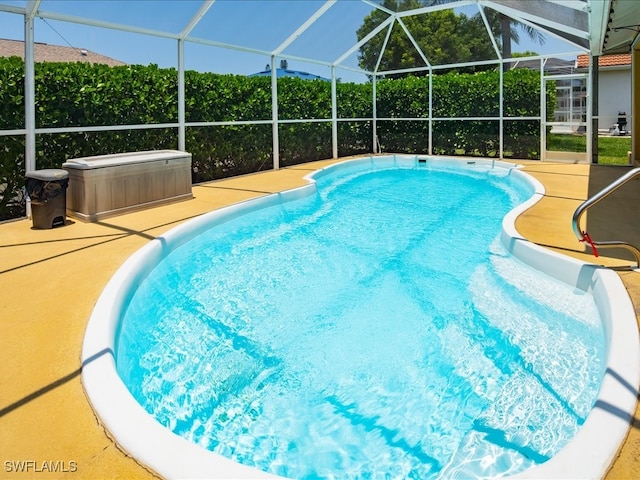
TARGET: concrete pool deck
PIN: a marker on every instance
(50, 280)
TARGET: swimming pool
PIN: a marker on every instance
(169, 243)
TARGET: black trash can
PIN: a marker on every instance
(47, 190)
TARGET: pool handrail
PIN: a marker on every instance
(593, 200)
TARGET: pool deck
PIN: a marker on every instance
(50, 280)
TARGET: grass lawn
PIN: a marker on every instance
(611, 150)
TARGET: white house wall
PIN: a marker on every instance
(614, 96)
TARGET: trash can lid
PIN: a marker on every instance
(48, 174)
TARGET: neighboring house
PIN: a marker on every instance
(614, 88)
(284, 71)
(571, 104)
(44, 52)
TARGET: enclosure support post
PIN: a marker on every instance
(29, 95)
(502, 69)
(430, 149)
(181, 106)
(635, 103)
(375, 117)
(334, 114)
(501, 127)
(589, 100)
(595, 109)
(274, 114)
(206, 5)
(543, 114)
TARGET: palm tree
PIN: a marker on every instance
(504, 27)
(509, 32)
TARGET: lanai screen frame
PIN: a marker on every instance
(577, 35)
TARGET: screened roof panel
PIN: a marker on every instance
(16, 3)
(388, 5)
(255, 24)
(532, 36)
(335, 30)
(166, 16)
(465, 39)
(205, 58)
(404, 5)
(547, 44)
(119, 45)
(396, 46)
(569, 20)
(296, 29)
(140, 49)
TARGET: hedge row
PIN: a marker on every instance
(79, 95)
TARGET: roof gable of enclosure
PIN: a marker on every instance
(298, 29)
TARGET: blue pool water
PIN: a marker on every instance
(377, 329)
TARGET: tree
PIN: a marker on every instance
(524, 54)
(443, 36)
(504, 28)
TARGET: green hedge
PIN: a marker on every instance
(79, 95)
(454, 95)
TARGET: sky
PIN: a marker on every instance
(255, 24)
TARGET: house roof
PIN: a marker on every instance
(44, 52)
(551, 65)
(618, 60)
(284, 72)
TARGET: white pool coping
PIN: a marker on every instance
(587, 456)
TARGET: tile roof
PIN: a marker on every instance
(605, 60)
(283, 72)
(44, 52)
